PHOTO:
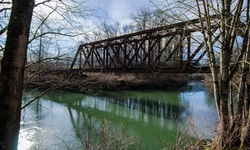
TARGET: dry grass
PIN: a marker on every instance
(105, 81)
(106, 138)
(105, 77)
(189, 138)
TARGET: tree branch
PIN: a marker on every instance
(41, 3)
(4, 9)
(3, 30)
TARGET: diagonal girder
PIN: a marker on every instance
(144, 50)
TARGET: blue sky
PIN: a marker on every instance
(118, 10)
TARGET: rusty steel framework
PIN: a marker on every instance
(175, 48)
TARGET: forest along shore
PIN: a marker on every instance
(91, 82)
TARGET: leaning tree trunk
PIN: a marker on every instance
(12, 72)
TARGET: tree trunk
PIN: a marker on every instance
(233, 124)
(12, 72)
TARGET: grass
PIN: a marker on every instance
(105, 81)
(108, 138)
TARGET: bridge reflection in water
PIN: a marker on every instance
(149, 114)
(137, 106)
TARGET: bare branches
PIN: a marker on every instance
(3, 30)
(4, 9)
(42, 3)
(43, 20)
(4, 14)
(5, 2)
(37, 97)
(233, 48)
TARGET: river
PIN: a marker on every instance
(62, 120)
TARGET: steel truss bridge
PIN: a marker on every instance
(175, 48)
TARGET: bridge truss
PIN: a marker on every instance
(176, 48)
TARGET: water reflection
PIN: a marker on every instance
(159, 108)
(61, 120)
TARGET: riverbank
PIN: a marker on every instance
(88, 83)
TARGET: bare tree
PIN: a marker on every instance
(143, 19)
(60, 24)
(52, 20)
(128, 28)
(234, 26)
(12, 72)
(232, 75)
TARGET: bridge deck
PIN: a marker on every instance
(160, 70)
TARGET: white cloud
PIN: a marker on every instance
(118, 10)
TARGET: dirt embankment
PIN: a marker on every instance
(108, 81)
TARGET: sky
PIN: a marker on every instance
(118, 10)
(110, 11)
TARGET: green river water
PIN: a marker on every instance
(60, 120)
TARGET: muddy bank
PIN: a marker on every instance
(97, 81)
